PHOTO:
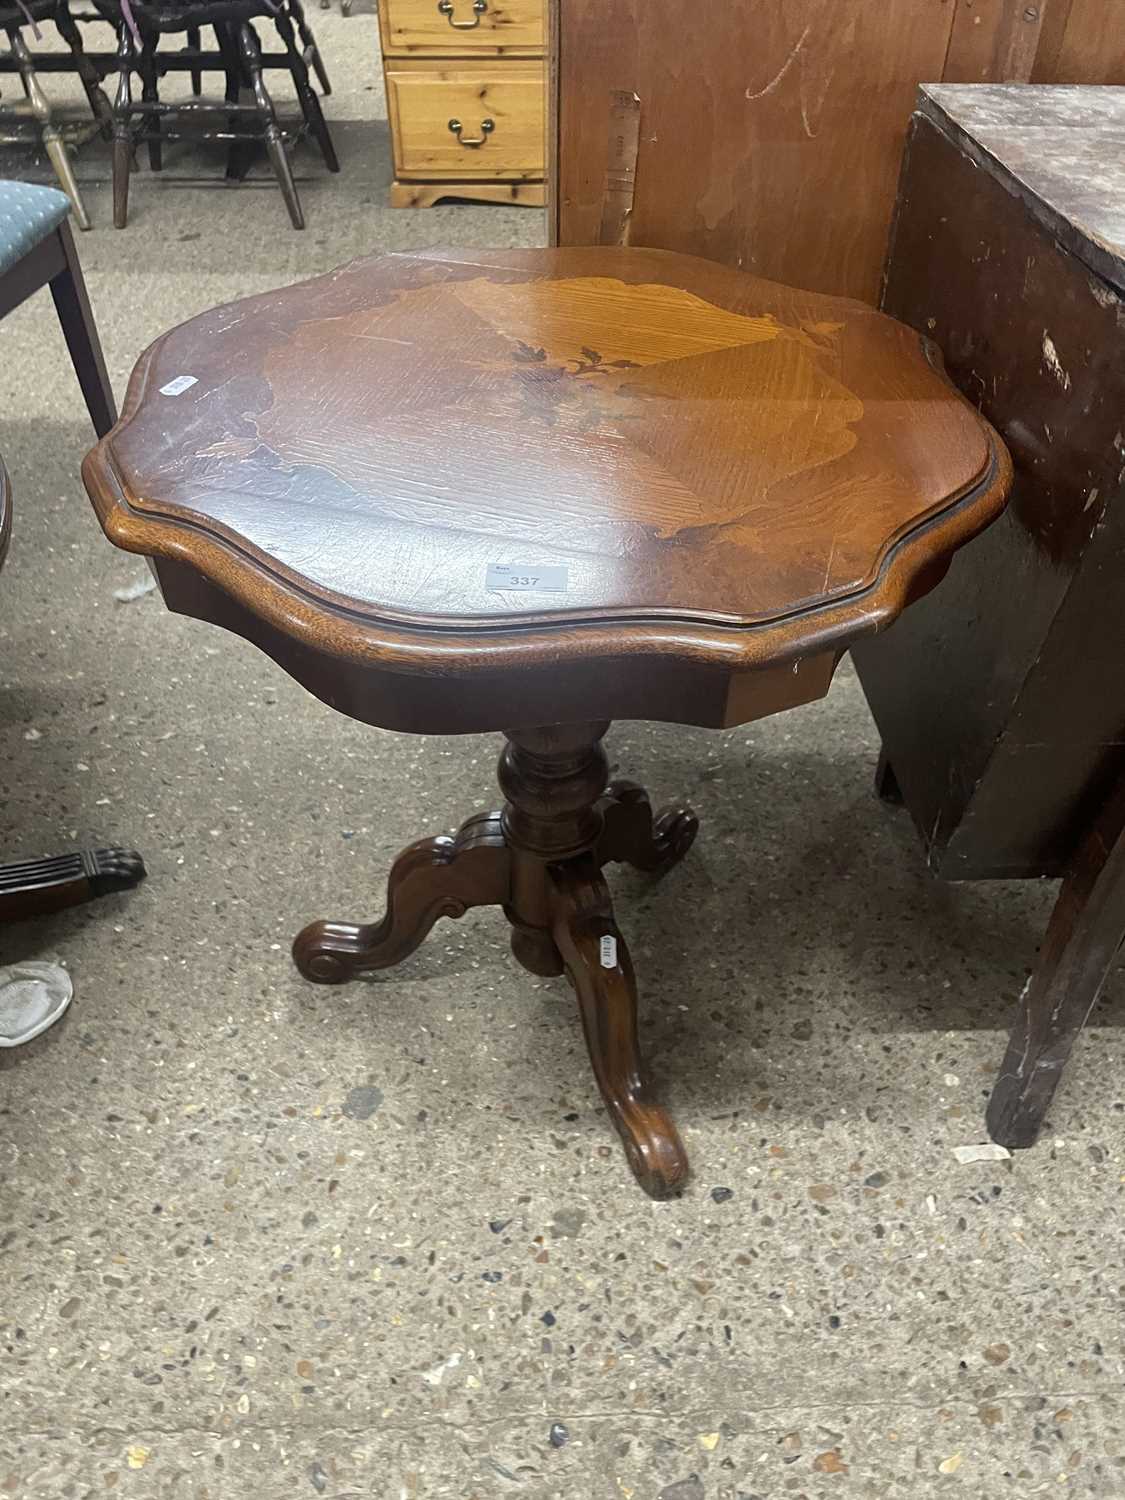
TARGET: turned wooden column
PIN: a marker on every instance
(552, 779)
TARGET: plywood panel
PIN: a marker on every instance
(771, 130)
(1089, 48)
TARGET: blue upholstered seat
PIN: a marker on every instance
(27, 215)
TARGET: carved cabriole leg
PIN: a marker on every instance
(560, 909)
(439, 877)
(598, 966)
(633, 836)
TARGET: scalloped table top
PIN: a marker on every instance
(645, 441)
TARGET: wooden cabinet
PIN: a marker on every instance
(1000, 697)
(466, 99)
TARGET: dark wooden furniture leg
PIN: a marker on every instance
(73, 307)
(310, 104)
(275, 144)
(150, 94)
(87, 72)
(195, 43)
(1083, 936)
(123, 129)
(599, 968)
(38, 886)
(438, 877)
(308, 42)
(53, 142)
(632, 834)
(540, 860)
(237, 154)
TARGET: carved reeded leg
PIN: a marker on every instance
(540, 860)
(439, 877)
(38, 886)
(632, 835)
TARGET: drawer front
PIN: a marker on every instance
(500, 110)
(419, 26)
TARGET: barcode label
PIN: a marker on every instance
(528, 578)
(609, 951)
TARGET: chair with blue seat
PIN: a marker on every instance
(36, 250)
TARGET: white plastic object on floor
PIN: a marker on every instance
(986, 1151)
(33, 995)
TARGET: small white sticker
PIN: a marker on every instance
(178, 386)
(609, 951)
(533, 578)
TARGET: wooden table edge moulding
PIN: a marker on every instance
(714, 483)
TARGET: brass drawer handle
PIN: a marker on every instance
(479, 8)
(486, 126)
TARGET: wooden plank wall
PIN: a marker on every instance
(772, 130)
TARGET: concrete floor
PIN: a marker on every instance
(259, 1239)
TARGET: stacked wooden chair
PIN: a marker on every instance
(141, 27)
(16, 16)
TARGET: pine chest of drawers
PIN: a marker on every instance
(466, 99)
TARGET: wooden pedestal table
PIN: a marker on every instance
(534, 491)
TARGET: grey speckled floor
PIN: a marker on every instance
(261, 1240)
